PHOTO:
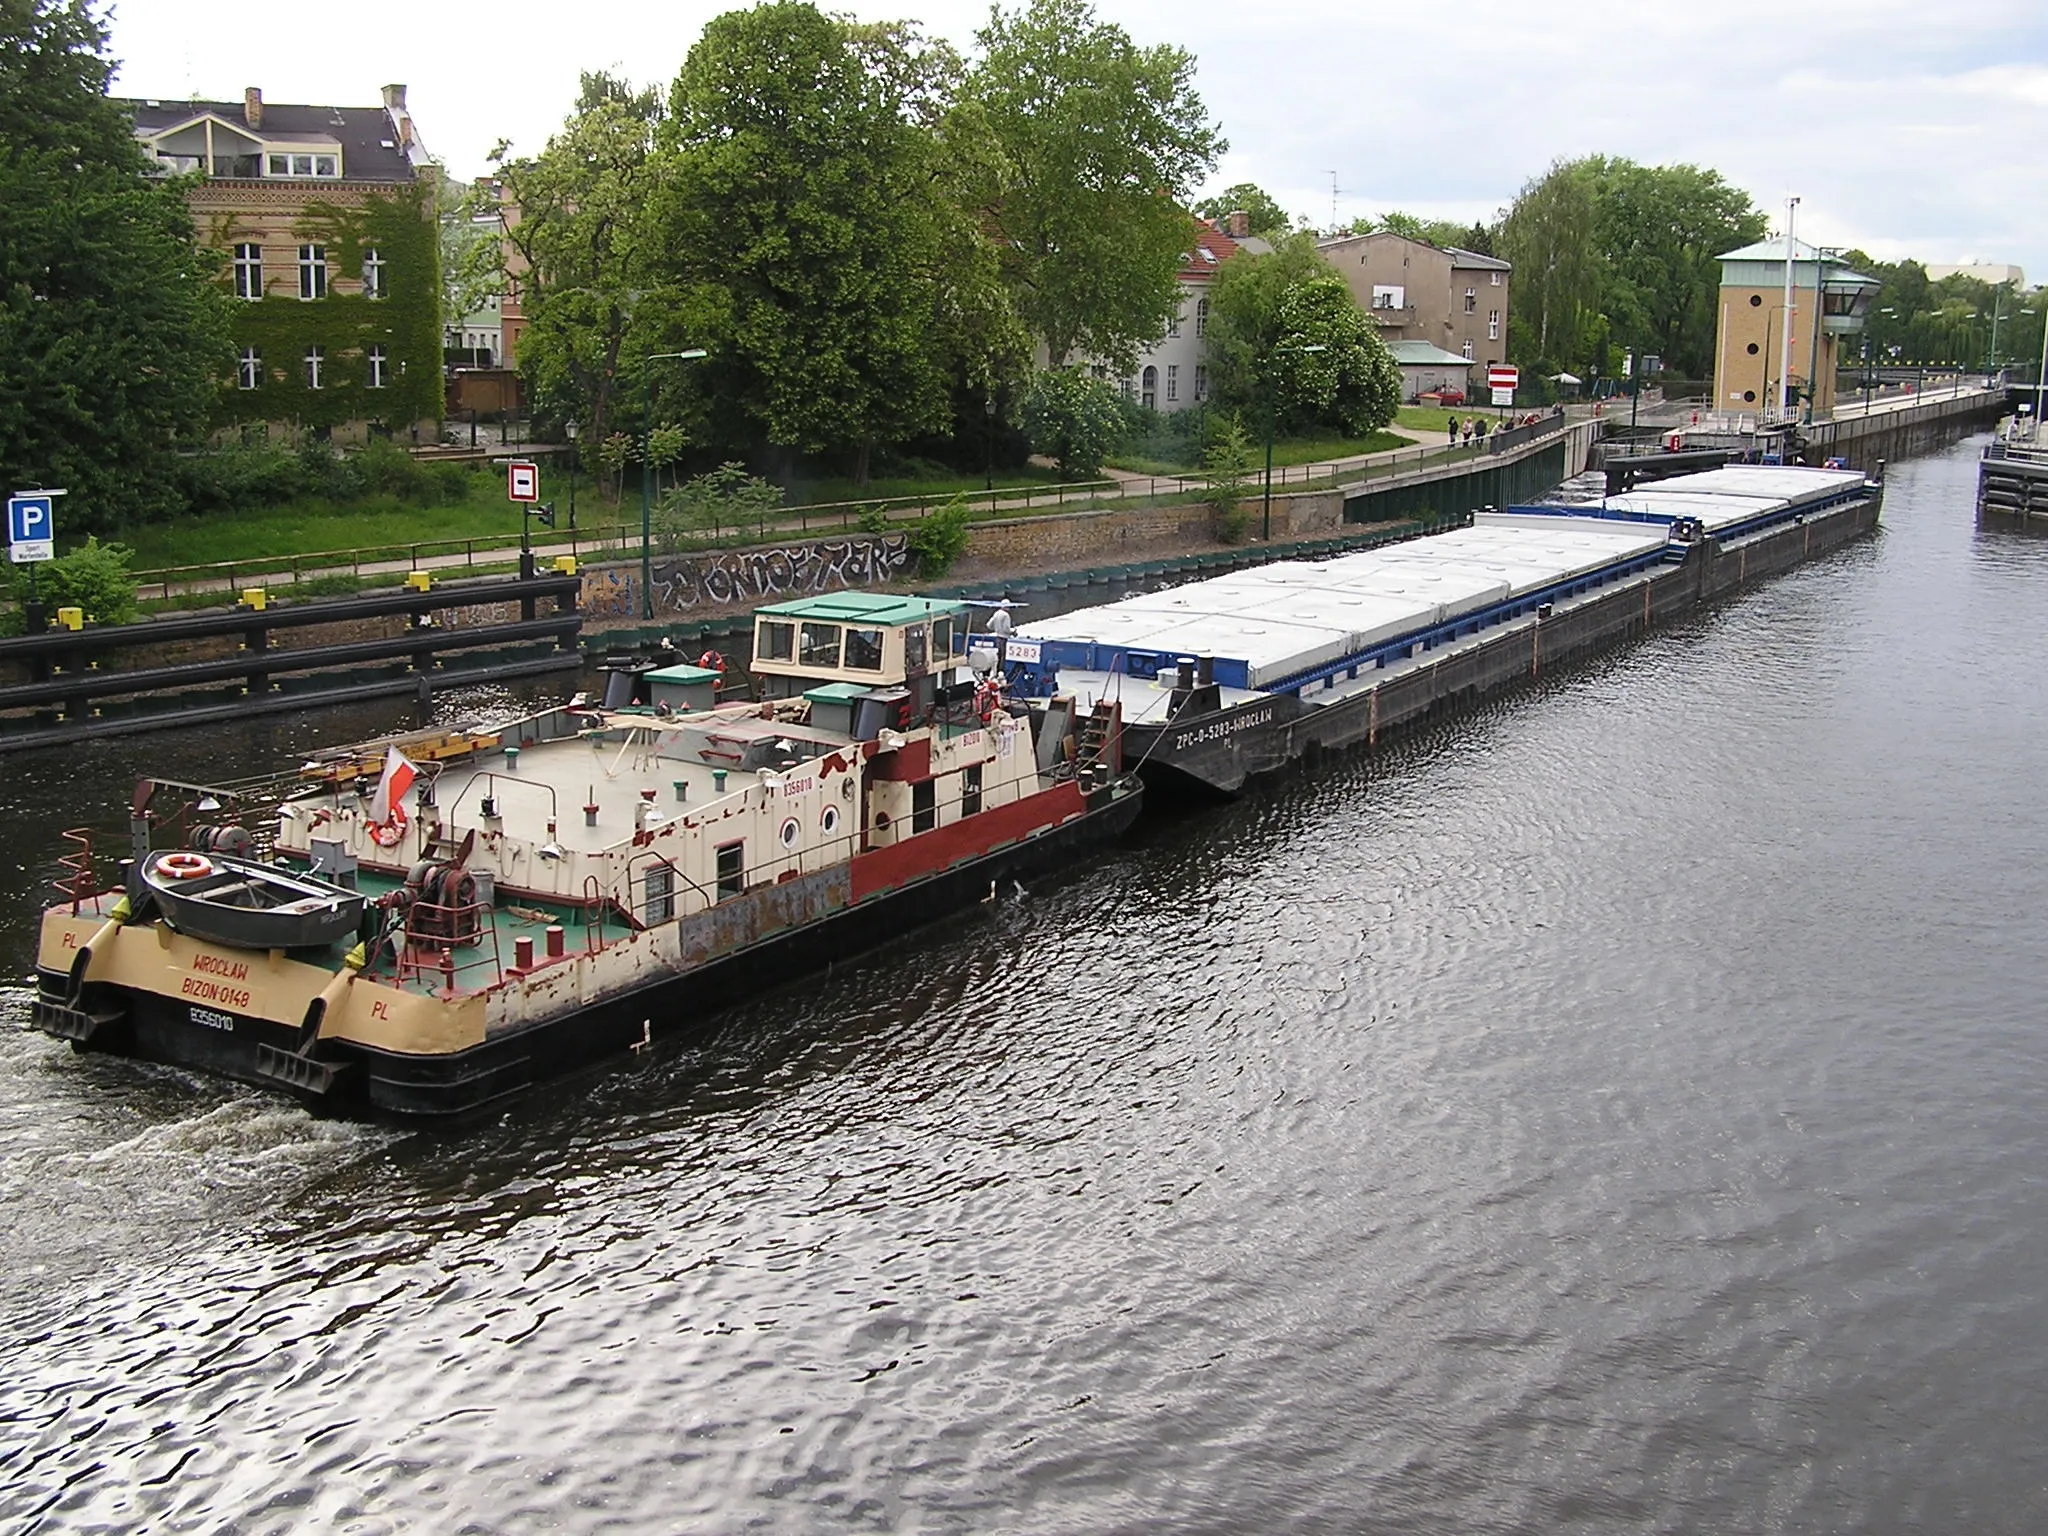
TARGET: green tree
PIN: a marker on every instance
(576, 250)
(1073, 418)
(1660, 231)
(810, 231)
(1550, 236)
(1265, 215)
(1246, 300)
(1102, 143)
(1350, 383)
(113, 332)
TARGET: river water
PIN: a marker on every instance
(1620, 1109)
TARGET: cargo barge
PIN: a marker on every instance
(1221, 681)
(419, 926)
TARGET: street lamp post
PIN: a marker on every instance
(647, 486)
(1272, 411)
(988, 411)
(1784, 402)
(572, 428)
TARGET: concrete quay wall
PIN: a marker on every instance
(1867, 440)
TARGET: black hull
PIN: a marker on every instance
(354, 1079)
(1218, 753)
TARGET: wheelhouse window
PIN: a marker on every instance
(942, 641)
(316, 358)
(863, 650)
(913, 648)
(376, 367)
(924, 805)
(312, 271)
(818, 646)
(249, 270)
(970, 790)
(373, 274)
(250, 373)
(775, 640)
(660, 892)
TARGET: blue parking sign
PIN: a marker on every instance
(32, 526)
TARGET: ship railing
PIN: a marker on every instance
(78, 883)
(440, 953)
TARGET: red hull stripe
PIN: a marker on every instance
(929, 853)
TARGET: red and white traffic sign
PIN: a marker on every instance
(522, 480)
(1503, 376)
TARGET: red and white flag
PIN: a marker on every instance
(387, 815)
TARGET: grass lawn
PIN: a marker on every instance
(320, 527)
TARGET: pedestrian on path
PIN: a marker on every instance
(1454, 431)
(1468, 432)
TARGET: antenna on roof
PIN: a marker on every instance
(1333, 202)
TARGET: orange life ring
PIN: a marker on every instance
(711, 661)
(185, 866)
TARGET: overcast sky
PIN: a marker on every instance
(1900, 124)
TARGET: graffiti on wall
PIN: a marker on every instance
(742, 576)
(607, 594)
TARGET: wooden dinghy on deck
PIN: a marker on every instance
(249, 906)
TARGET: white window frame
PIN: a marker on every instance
(1471, 301)
(302, 165)
(373, 273)
(248, 270)
(1201, 317)
(316, 358)
(249, 372)
(1496, 278)
(1148, 387)
(1493, 325)
(1201, 381)
(377, 368)
(1468, 351)
(1173, 325)
(1172, 382)
(312, 272)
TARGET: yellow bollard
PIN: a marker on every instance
(421, 581)
(566, 564)
(255, 599)
(71, 618)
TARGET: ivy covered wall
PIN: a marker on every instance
(400, 226)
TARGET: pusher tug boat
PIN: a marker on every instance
(421, 925)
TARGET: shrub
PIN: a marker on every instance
(939, 538)
(1227, 461)
(94, 577)
(727, 497)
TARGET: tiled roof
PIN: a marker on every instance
(369, 140)
(1212, 249)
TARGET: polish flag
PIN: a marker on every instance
(385, 810)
